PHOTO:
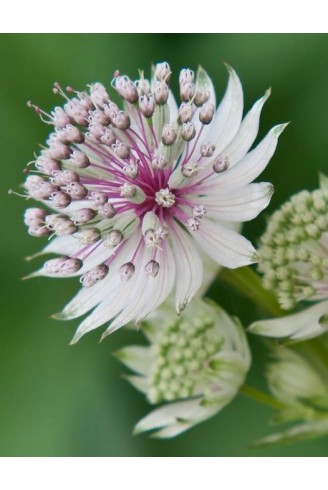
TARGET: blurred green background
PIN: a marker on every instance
(58, 400)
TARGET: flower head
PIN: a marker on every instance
(134, 195)
(299, 383)
(294, 263)
(195, 365)
(294, 255)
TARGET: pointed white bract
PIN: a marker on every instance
(194, 365)
(137, 196)
(299, 383)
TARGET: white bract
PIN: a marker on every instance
(194, 366)
(140, 195)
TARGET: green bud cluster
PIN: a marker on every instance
(294, 249)
(182, 359)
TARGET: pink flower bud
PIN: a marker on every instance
(152, 268)
(147, 105)
(185, 113)
(63, 177)
(98, 94)
(114, 238)
(126, 88)
(60, 199)
(161, 92)
(82, 216)
(63, 266)
(206, 113)
(163, 71)
(111, 109)
(98, 116)
(98, 197)
(121, 120)
(220, 164)
(188, 131)
(76, 190)
(106, 210)
(127, 271)
(108, 137)
(121, 150)
(79, 159)
(91, 235)
(168, 134)
(60, 118)
(94, 275)
(47, 165)
(207, 149)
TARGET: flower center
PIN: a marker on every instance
(165, 198)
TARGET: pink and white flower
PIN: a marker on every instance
(137, 195)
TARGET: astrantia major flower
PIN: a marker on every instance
(135, 195)
(294, 263)
(194, 365)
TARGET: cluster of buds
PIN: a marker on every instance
(197, 362)
(293, 253)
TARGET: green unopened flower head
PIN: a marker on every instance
(196, 362)
(294, 249)
(300, 384)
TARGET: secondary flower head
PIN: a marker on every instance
(299, 384)
(294, 263)
(196, 362)
(134, 195)
(294, 255)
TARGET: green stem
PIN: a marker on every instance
(261, 397)
(249, 283)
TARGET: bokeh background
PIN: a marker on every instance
(57, 400)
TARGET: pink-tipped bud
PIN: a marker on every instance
(82, 216)
(147, 105)
(63, 266)
(91, 235)
(96, 130)
(189, 169)
(106, 210)
(43, 190)
(32, 181)
(121, 120)
(114, 238)
(143, 86)
(47, 165)
(38, 230)
(98, 198)
(34, 216)
(206, 113)
(63, 177)
(127, 271)
(186, 76)
(63, 226)
(168, 134)
(207, 150)
(199, 211)
(193, 224)
(76, 190)
(96, 274)
(163, 71)
(121, 149)
(70, 134)
(58, 150)
(152, 268)
(186, 111)
(131, 170)
(108, 137)
(111, 109)
(74, 108)
(98, 94)
(79, 159)
(187, 91)
(188, 131)
(98, 116)
(60, 199)
(128, 191)
(126, 88)
(159, 162)
(60, 118)
(220, 164)
(161, 92)
(201, 96)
